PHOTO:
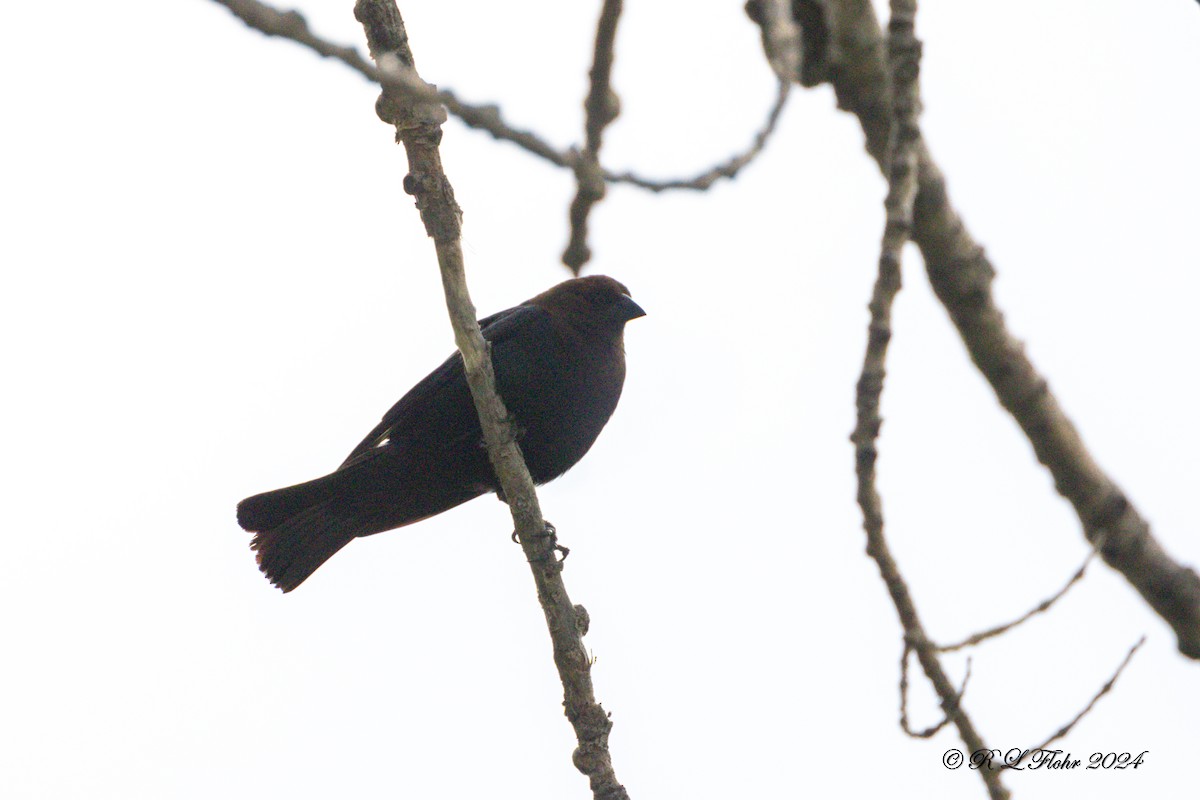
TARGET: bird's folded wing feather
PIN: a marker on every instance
(434, 403)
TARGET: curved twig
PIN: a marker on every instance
(1065, 729)
(948, 713)
(729, 169)
(1040, 608)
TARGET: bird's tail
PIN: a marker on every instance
(295, 530)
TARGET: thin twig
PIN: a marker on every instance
(729, 169)
(600, 108)
(487, 117)
(292, 25)
(1040, 608)
(904, 53)
(926, 733)
(418, 128)
(1065, 729)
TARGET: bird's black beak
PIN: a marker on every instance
(626, 309)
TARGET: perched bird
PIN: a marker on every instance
(560, 365)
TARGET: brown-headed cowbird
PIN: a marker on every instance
(560, 365)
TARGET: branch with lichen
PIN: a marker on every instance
(418, 120)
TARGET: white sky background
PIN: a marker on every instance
(214, 285)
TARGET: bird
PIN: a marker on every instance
(559, 361)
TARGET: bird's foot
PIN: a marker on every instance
(548, 532)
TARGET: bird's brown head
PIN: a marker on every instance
(596, 303)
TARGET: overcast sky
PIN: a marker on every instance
(214, 286)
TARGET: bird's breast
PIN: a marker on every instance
(560, 413)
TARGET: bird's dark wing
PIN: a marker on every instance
(439, 408)
(490, 320)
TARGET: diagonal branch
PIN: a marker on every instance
(1040, 608)
(418, 128)
(961, 275)
(292, 25)
(851, 52)
(1065, 729)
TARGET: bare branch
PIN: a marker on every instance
(1040, 608)
(961, 276)
(904, 52)
(292, 25)
(601, 107)
(418, 128)
(926, 733)
(729, 169)
(1065, 729)
(487, 118)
